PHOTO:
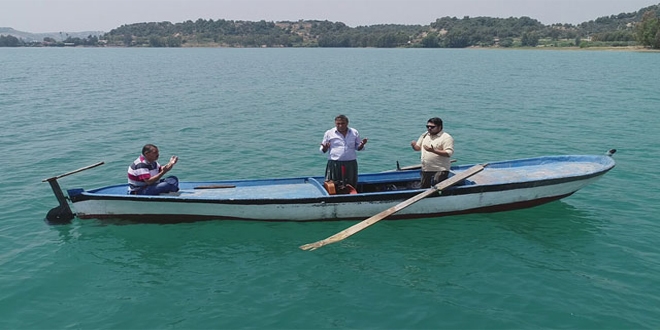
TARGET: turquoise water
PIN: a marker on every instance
(589, 261)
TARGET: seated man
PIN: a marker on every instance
(145, 175)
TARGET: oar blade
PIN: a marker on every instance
(382, 215)
(313, 246)
(348, 232)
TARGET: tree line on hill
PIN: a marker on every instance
(625, 29)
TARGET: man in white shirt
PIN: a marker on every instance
(342, 142)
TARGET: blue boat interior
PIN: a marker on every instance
(285, 188)
(504, 172)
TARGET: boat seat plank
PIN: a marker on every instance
(279, 191)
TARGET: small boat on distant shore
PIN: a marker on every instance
(500, 186)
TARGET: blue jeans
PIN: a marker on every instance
(169, 184)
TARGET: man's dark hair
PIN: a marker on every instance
(436, 121)
(148, 148)
(342, 117)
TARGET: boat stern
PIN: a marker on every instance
(74, 194)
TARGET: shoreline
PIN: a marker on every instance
(573, 48)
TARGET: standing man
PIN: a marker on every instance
(342, 142)
(437, 146)
(145, 175)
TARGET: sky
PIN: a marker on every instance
(40, 16)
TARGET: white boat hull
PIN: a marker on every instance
(166, 210)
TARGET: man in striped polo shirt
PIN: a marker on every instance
(145, 175)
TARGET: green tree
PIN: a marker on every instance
(647, 32)
(174, 41)
(430, 41)
(9, 41)
(457, 39)
(529, 39)
(127, 39)
(155, 41)
(506, 42)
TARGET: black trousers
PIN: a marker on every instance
(432, 178)
(342, 172)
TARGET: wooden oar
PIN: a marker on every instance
(382, 215)
(72, 172)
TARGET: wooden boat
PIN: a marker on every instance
(501, 186)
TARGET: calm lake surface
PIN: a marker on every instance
(590, 261)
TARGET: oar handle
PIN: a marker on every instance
(72, 172)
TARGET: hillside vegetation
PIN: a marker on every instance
(640, 28)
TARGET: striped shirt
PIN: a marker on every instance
(140, 171)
